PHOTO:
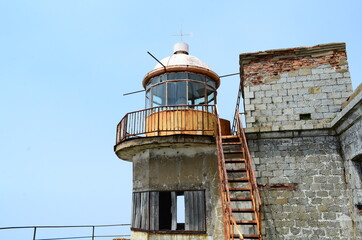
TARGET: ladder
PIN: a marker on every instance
(240, 195)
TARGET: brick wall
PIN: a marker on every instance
(291, 89)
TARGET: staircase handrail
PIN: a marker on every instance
(224, 187)
(249, 167)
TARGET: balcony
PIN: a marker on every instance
(169, 120)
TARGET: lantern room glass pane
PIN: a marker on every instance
(148, 99)
(155, 80)
(210, 95)
(159, 95)
(176, 93)
(197, 77)
(171, 76)
(181, 75)
(196, 93)
(163, 77)
(210, 82)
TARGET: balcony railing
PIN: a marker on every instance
(168, 120)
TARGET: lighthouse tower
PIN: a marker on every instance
(172, 148)
(180, 188)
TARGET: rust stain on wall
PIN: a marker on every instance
(260, 66)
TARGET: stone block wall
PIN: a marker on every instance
(302, 184)
(298, 88)
(348, 126)
(305, 141)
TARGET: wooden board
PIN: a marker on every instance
(195, 210)
(183, 121)
(154, 211)
(174, 211)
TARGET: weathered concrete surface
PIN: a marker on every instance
(127, 149)
(177, 163)
(152, 236)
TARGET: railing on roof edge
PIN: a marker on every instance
(92, 236)
(167, 120)
(237, 107)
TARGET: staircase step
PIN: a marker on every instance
(238, 180)
(241, 199)
(243, 210)
(233, 152)
(229, 136)
(246, 222)
(246, 236)
(236, 170)
(235, 160)
(239, 189)
(231, 143)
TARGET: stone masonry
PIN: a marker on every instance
(299, 88)
(348, 125)
(307, 151)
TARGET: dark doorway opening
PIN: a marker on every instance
(165, 211)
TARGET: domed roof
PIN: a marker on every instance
(181, 57)
(181, 61)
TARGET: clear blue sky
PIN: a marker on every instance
(64, 65)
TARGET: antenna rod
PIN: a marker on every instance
(157, 60)
(228, 75)
(125, 94)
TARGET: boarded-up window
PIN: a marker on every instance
(157, 211)
(195, 210)
(140, 216)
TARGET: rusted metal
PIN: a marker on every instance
(182, 68)
(249, 167)
(168, 120)
(228, 219)
(230, 225)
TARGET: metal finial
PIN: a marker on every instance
(182, 34)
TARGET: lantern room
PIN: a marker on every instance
(181, 79)
(180, 99)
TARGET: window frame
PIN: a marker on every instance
(146, 215)
(171, 77)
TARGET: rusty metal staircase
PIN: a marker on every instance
(239, 190)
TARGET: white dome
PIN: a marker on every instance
(181, 58)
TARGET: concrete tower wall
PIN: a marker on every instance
(178, 163)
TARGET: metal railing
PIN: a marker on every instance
(238, 130)
(92, 229)
(228, 219)
(167, 120)
(237, 106)
(249, 168)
